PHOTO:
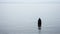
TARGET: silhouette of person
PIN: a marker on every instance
(39, 23)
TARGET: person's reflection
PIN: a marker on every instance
(39, 30)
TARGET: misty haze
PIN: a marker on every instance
(22, 18)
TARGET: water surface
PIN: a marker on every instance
(22, 18)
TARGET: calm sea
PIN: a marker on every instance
(21, 18)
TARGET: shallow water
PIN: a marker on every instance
(22, 18)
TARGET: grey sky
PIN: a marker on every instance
(29, 0)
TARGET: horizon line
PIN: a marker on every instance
(32, 2)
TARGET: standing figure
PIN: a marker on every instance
(39, 23)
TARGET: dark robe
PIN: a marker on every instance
(39, 22)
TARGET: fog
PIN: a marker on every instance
(29, 0)
(21, 18)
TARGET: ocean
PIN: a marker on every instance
(22, 18)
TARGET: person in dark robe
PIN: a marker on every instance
(39, 23)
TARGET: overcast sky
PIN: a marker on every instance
(29, 0)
